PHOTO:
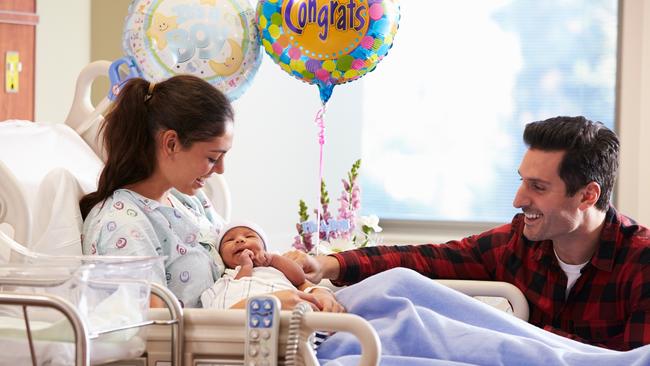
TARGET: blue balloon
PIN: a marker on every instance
(216, 40)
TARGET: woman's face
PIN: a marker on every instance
(190, 167)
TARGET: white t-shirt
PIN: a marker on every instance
(572, 272)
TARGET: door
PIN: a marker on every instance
(18, 21)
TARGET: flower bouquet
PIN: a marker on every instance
(347, 231)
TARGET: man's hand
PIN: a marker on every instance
(315, 268)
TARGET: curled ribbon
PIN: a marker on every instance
(320, 122)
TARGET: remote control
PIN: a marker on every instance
(262, 331)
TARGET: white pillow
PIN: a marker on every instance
(33, 149)
(32, 152)
(56, 216)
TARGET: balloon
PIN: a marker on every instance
(327, 42)
(216, 40)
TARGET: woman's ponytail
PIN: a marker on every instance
(187, 104)
(129, 143)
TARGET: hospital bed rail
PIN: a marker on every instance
(217, 337)
(81, 339)
(496, 289)
(81, 334)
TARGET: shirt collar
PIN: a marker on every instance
(147, 203)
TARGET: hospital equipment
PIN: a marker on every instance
(103, 302)
(39, 209)
(262, 318)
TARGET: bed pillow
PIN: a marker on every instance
(56, 216)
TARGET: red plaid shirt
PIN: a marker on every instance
(608, 306)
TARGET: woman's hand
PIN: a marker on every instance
(290, 298)
(328, 301)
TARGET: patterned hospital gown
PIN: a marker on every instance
(128, 223)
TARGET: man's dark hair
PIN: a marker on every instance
(591, 152)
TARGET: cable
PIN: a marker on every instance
(292, 358)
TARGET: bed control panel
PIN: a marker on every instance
(262, 331)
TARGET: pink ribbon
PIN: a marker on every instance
(320, 122)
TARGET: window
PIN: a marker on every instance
(443, 114)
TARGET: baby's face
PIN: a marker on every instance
(236, 241)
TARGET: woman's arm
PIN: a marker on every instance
(289, 299)
(325, 296)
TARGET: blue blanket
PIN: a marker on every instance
(421, 322)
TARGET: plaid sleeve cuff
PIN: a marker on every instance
(347, 261)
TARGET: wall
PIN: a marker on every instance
(62, 50)
(107, 19)
(633, 194)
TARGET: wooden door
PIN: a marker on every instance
(18, 21)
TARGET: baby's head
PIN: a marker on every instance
(238, 236)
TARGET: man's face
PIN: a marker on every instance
(549, 213)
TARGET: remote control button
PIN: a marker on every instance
(266, 334)
(252, 351)
(255, 305)
(254, 334)
(267, 322)
(255, 321)
(268, 305)
(265, 352)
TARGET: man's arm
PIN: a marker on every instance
(637, 328)
(315, 267)
(472, 258)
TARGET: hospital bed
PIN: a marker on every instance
(197, 336)
(39, 209)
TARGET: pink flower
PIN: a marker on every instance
(297, 243)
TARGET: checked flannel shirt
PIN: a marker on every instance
(608, 306)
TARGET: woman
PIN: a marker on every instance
(162, 142)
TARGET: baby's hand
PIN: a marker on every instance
(263, 259)
(246, 258)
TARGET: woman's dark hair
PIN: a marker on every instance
(591, 152)
(189, 105)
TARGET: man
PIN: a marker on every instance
(584, 268)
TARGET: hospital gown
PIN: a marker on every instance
(130, 224)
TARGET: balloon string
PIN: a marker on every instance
(320, 122)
